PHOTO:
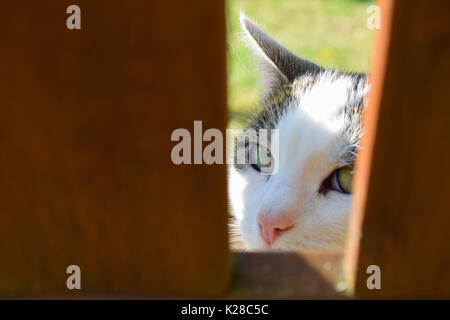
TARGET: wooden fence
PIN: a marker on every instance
(86, 177)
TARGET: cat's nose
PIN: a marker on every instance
(273, 224)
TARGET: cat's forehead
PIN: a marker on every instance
(329, 97)
(302, 136)
(326, 97)
(323, 116)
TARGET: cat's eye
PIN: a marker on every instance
(341, 180)
(261, 159)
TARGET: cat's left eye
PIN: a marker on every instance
(340, 180)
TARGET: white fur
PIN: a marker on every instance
(311, 142)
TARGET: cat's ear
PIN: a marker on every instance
(278, 64)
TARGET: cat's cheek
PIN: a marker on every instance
(251, 233)
(326, 227)
(236, 189)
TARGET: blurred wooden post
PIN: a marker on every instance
(403, 178)
(85, 127)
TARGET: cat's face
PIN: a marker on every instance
(318, 112)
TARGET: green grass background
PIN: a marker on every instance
(331, 33)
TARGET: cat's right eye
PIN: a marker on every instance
(260, 158)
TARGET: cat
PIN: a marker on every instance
(319, 116)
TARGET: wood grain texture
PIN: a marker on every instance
(403, 181)
(86, 176)
(257, 275)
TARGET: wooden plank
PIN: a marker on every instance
(85, 127)
(304, 275)
(403, 181)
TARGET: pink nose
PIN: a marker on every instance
(273, 224)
